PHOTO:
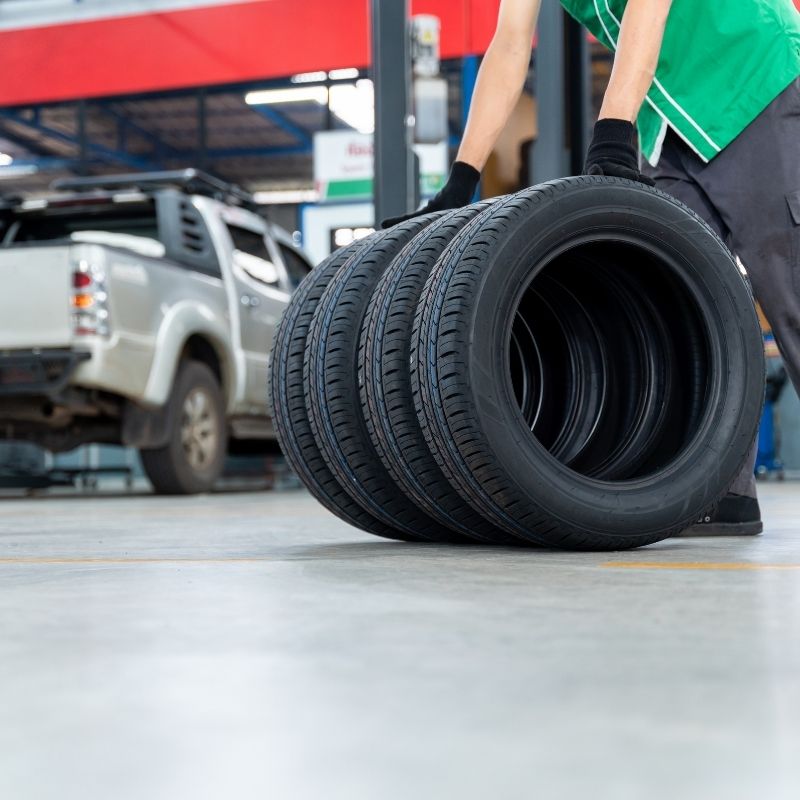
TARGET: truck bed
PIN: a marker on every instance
(35, 297)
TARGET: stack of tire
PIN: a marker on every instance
(577, 366)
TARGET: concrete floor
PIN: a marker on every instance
(252, 646)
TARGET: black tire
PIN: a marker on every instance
(695, 439)
(287, 395)
(385, 383)
(189, 464)
(332, 396)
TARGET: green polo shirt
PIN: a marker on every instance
(721, 64)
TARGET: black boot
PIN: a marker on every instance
(734, 515)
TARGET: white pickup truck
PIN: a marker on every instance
(140, 310)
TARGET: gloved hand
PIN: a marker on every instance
(456, 193)
(612, 152)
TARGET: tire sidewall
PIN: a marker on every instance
(713, 458)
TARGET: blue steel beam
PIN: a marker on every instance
(242, 87)
(249, 152)
(125, 124)
(283, 122)
(104, 153)
(169, 94)
(223, 88)
(45, 164)
(23, 141)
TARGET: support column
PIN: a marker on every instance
(396, 191)
(579, 74)
(549, 157)
(83, 142)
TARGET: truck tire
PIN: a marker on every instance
(561, 267)
(330, 375)
(385, 383)
(287, 395)
(192, 460)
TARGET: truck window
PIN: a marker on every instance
(296, 266)
(54, 225)
(252, 255)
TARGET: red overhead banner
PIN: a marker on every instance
(210, 45)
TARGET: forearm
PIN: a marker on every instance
(497, 90)
(638, 49)
(500, 79)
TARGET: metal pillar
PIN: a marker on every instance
(579, 123)
(549, 157)
(202, 130)
(469, 77)
(83, 143)
(396, 190)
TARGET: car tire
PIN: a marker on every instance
(332, 396)
(695, 427)
(385, 383)
(193, 458)
(287, 395)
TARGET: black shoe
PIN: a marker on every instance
(734, 515)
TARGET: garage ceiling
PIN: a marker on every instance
(257, 146)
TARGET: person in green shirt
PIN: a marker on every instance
(714, 89)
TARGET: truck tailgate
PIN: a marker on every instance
(35, 294)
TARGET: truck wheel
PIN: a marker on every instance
(193, 458)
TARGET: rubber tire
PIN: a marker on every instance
(167, 467)
(384, 379)
(332, 396)
(287, 396)
(462, 384)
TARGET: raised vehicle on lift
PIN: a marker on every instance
(140, 310)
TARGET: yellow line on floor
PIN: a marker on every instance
(698, 565)
(113, 560)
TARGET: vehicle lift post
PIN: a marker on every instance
(562, 95)
(396, 185)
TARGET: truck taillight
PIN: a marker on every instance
(89, 301)
(82, 300)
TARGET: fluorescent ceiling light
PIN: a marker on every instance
(5, 159)
(344, 74)
(304, 94)
(354, 104)
(309, 77)
(347, 74)
(286, 196)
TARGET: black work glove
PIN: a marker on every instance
(613, 153)
(456, 193)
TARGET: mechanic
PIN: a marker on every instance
(714, 89)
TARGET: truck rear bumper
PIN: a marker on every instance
(38, 372)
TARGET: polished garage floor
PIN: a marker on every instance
(252, 646)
